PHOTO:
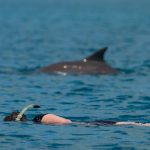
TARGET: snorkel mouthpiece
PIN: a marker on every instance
(25, 109)
(36, 106)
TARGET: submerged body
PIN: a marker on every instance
(94, 64)
(54, 119)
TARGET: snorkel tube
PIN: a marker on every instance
(25, 109)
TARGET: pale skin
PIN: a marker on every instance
(54, 119)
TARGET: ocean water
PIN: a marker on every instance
(35, 33)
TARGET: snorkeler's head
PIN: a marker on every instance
(13, 116)
(19, 116)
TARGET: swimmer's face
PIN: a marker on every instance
(13, 116)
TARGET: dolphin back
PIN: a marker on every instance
(93, 64)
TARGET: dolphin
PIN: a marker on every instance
(93, 64)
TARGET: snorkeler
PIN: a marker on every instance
(42, 118)
(54, 119)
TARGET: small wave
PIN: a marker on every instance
(24, 71)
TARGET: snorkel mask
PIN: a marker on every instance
(19, 116)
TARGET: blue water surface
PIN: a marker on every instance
(35, 33)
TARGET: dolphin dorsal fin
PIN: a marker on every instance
(97, 56)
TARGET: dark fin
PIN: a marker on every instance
(98, 56)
